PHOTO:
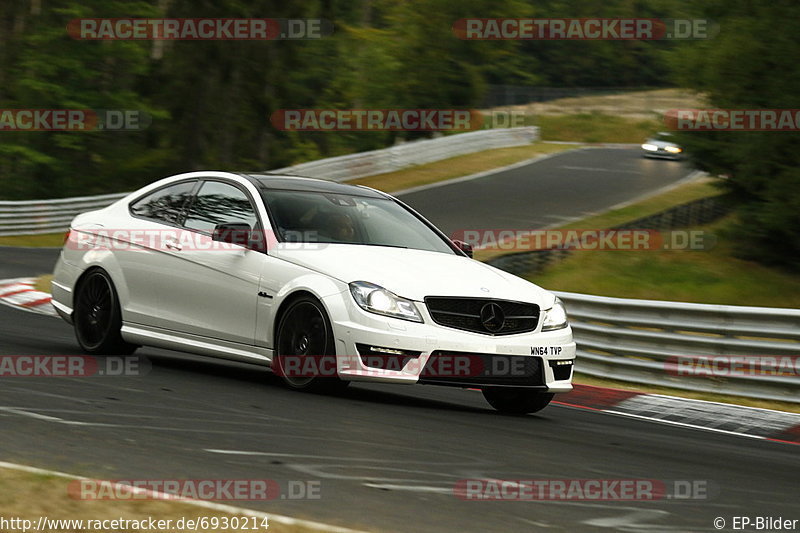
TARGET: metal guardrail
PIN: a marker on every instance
(362, 164)
(647, 341)
(52, 216)
(36, 217)
(654, 342)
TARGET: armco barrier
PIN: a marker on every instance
(47, 216)
(639, 340)
(362, 164)
(52, 216)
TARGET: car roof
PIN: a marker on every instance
(301, 183)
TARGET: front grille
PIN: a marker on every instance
(465, 314)
(471, 369)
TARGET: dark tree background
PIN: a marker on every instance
(211, 101)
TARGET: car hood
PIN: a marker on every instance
(414, 274)
(661, 144)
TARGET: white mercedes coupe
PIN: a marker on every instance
(326, 283)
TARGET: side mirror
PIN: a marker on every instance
(464, 247)
(232, 232)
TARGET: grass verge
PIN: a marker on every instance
(596, 128)
(43, 283)
(455, 167)
(30, 496)
(712, 276)
(48, 240)
(618, 117)
(681, 194)
(668, 391)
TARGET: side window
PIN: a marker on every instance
(219, 203)
(165, 204)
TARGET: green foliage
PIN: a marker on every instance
(752, 64)
(211, 100)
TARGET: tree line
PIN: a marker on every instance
(210, 101)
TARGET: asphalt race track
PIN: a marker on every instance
(565, 186)
(385, 457)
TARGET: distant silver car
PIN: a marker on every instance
(661, 146)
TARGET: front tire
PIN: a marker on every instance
(517, 401)
(97, 317)
(305, 352)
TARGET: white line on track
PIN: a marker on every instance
(410, 488)
(477, 175)
(46, 418)
(683, 424)
(599, 169)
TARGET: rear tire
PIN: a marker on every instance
(97, 318)
(304, 340)
(517, 401)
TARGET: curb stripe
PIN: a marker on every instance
(36, 303)
(12, 293)
(605, 400)
(21, 294)
(790, 435)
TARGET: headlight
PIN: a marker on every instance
(649, 147)
(376, 299)
(555, 317)
(673, 149)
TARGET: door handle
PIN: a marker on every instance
(173, 245)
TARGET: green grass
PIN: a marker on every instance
(29, 496)
(712, 276)
(700, 188)
(681, 194)
(43, 283)
(455, 167)
(596, 127)
(47, 240)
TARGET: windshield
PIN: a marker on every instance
(322, 217)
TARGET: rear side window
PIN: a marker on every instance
(165, 204)
(219, 203)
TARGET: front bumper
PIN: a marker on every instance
(662, 154)
(430, 353)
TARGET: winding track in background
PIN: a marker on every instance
(387, 456)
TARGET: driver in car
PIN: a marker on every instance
(340, 226)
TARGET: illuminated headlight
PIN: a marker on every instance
(649, 147)
(555, 317)
(376, 299)
(673, 149)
